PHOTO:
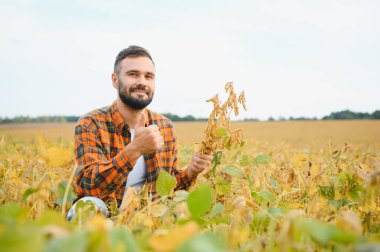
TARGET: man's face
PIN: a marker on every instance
(136, 82)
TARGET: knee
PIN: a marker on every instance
(98, 204)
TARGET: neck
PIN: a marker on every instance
(130, 116)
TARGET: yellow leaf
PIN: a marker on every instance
(174, 238)
(99, 223)
(159, 210)
(58, 156)
(300, 159)
(314, 170)
(349, 220)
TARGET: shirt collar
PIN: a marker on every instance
(118, 120)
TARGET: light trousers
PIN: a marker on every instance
(99, 205)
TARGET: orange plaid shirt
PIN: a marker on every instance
(102, 166)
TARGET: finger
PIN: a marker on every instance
(160, 143)
(207, 157)
(202, 161)
(200, 168)
(141, 121)
(199, 163)
(204, 156)
(154, 128)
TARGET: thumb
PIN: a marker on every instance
(141, 122)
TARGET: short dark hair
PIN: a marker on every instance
(132, 51)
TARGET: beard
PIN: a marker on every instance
(132, 102)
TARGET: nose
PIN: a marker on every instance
(143, 81)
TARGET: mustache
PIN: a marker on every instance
(139, 88)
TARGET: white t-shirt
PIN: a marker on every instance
(137, 176)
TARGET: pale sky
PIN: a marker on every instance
(292, 58)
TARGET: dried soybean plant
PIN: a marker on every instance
(218, 134)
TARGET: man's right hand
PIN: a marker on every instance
(147, 139)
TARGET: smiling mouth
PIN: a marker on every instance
(139, 91)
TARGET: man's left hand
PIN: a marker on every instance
(198, 163)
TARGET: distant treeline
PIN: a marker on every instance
(187, 118)
(342, 115)
(39, 119)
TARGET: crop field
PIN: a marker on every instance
(290, 186)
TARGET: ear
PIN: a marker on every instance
(115, 80)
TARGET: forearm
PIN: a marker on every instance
(100, 176)
(184, 181)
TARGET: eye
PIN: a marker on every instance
(132, 74)
(149, 77)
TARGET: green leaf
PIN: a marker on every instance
(262, 159)
(122, 240)
(233, 171)
(74, 243)
(276, 212)
(318, 231)
(222, 187)
(323, 233)
(51, 217)
(165, 183)
(227, 142)
(26, 237)
(327, 191)
(343, 236)
(244, 161)
(274, 183)
(29, 192)
(79, 204)
(221, 132)
(264, 196)
(216, 209)
(216, 160)
(11, 214)
(61, 191)
(199, 200)
(209, 242)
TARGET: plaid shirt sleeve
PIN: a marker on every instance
(97, 174)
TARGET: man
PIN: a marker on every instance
(126, 144)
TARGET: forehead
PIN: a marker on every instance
(141, 64)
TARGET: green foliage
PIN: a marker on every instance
(262, 159)
(216, 209)
(26, 237)
(209, 242)
(324, 233)
(11, 214)
(76, 243)
(349, 115)
(61, 193)
(29, 192)
(221, 132)
(216, 160)
(327, 191)
(244, 161)
(222, 187)
(264, 197)
(199, 200)
(122, 240)
(165, 183)
(233, 171)
(247, 206)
